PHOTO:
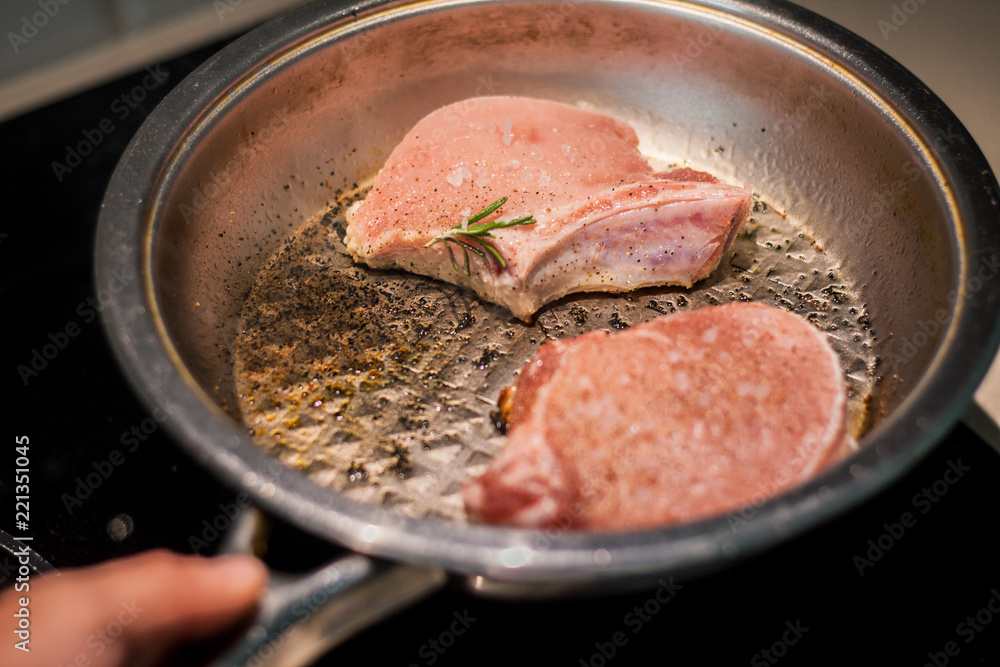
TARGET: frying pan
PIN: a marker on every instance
(824, 127)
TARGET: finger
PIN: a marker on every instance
(115, 613)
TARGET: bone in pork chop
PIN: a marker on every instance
(684, 417)
(604, 220)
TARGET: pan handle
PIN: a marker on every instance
(303, 616)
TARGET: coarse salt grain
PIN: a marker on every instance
(460, 174)
(508, 136)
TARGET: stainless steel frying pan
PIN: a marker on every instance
(862, 158)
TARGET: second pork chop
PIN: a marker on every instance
(602, 218)
(681, 418)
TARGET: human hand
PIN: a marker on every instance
(130, 612)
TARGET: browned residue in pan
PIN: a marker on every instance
(384, 385)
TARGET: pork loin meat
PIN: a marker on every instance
(606, 221)
(684, 417)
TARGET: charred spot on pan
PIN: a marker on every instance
(413, 423)
(835, 292)
(617, 322)
(465, 320)
(421, 329)
(579, 315)
(400, 354)
(499, 422)
(373, 381)
(357, 474)
(812, 301)
(489, 355)
(664, 309)
(401, 466)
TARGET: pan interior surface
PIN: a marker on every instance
(277, 128)
(383, 385)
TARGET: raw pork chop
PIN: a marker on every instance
(605, 220)
(686, 416)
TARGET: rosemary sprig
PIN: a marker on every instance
(473, 237)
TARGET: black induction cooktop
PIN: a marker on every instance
(911, 577)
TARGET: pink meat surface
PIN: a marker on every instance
(606, 221)
(689, 416)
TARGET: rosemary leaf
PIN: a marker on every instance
(472, 234)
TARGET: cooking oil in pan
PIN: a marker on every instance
(382, 385)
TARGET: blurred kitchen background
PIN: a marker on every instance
(55, 48)
(59, 47)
